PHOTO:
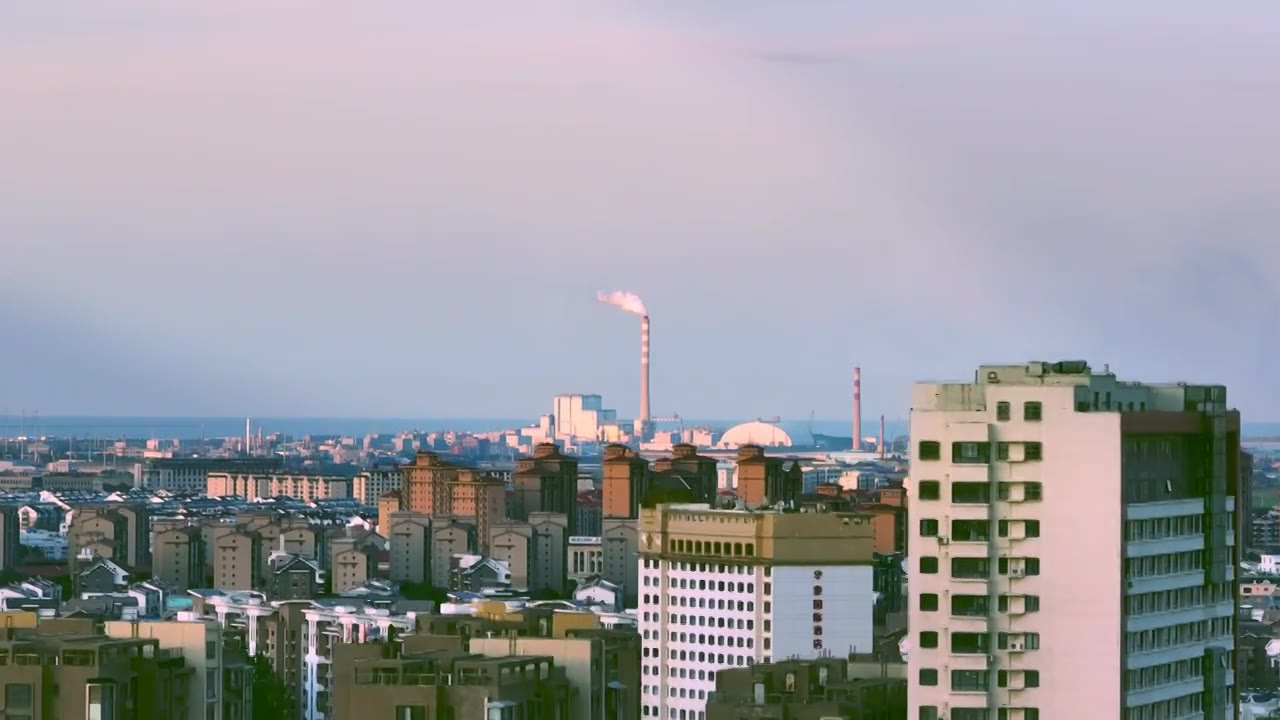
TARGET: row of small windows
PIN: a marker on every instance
(724, 549)
(717, 585)
(1185, 706)
(704, 657)
(978, 493)
(930, 712)
(682, 673)
(704, 621)
(979, 680)
(966, 643)
(976, 605)
(1164, 564)
(650, 563)
(977, 530)
(652, 711)
(968, 453)
(1160, 528)
(1032, 411)
(1175, 635)
(1180, 599)
(980, 568)
(1166, 674)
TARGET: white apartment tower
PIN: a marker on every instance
(1072, 547)
(731, 588)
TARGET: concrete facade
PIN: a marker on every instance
(1071, 538)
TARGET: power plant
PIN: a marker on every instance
(857, 409)
(644, 423)
(630, 302)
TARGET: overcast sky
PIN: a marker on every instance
(395, 208)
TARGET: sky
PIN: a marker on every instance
(406, 208)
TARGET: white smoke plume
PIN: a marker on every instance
(630, 302)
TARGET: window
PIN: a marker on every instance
(928, 639)
(1033, 451)
(930, 490)
(210, 650)
(928, 527)
(970, 453)
(1002, 411)
(930, 450)
(968, 643)
(1031, 411)
(929, 712)
(928, 676)
(970, 605)
(970, 568)
(1030, 528)
(929, 565)
(970, 530)
(970, 493)
(928, 602)
(1002, 451)
(1030, 641)
(969, 680)
(19, 701)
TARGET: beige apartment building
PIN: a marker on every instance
(1072, 547)
(409, 539)
(534, 550)
(179, 558)
(545, 483)
(64, 670)
(367, 487)
(254, 486)
(200, 643)
(238, 561)
(439, 489)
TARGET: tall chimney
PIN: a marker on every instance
(857, 409)
(881, 437)
(644, 370)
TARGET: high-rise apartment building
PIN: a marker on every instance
(730, 588)
(1072, 547)
(440, 489)
(546, 483)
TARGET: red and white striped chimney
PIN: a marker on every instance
(857, 409)
(644, 369)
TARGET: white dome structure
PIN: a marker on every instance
(764, 434)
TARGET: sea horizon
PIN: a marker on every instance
(142, 427)
(178, 426)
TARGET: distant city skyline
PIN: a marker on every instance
(406, 209)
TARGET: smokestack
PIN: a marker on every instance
(857, 409)
(881, 437)
(644, 370)
(248, 435)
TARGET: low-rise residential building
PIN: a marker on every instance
(818, 689)
(65, 670)
(380, 680)
(306, 488)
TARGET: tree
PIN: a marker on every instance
(271, 697)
